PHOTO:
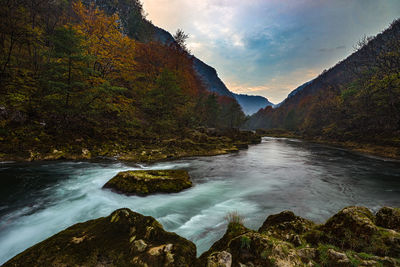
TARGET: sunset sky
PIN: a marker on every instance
(269, 47)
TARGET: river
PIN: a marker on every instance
(40, 199)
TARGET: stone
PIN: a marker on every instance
(286, 226)
(126, 238)
(220, 259)
(354, 228)
(149, 182)
(388, 218)
(107, 242)
(140, 245)
(338, 259)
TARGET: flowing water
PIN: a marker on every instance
(40, 199)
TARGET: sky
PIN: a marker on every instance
(270, 47)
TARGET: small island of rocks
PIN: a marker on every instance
(145, 182)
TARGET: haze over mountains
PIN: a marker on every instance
(251, 103)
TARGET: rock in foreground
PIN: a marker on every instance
(352, 237)
(124, 238)
(149, 182)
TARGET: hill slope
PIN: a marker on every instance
(356, 100)
(210, 78)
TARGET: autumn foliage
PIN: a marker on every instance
(69, 71)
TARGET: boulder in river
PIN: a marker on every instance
(145, 182)
(124, 238)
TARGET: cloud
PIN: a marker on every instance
(270, 46)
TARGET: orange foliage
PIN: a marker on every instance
(113, 51)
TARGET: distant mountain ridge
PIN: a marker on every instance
(252, 103)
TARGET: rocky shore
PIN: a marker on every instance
(352, 237)
(201, 142)
(385, 149)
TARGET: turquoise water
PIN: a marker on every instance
(40, 199)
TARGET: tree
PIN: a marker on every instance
(112, 51)
(165, 103)
(231, 114)
(362, 42)
(180, 38)
(212, 110)
(66, 72)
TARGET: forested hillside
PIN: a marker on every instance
(74, 72)
(356, 100)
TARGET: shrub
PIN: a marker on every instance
(234, 217)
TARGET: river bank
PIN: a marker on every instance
(205, 142)
(384, 151)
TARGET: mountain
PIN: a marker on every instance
(356, 100)
(210, 78)
(137, 27)
(252, 103)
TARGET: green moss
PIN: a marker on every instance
(353, 260)
(365, 256)
(245, 242)
(235, 228)
(323, 254)
(152, 181)
(264, 254)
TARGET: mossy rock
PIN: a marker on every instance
(354, 228)
(149, 182)
(388, 218)
(253, 249)
(350, 223)
(286, 226)
(250, 248)
(233, 230)
(349, 238)
(124, 238)
(220, 259)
